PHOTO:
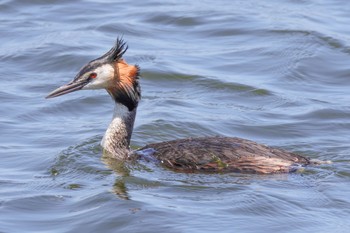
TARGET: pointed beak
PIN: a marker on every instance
(75, 85)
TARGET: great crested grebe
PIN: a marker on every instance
(203, 154)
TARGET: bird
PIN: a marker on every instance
(211, 154)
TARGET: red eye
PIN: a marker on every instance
(93, 75)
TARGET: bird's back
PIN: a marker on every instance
(223, 154)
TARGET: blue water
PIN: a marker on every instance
(277, 72)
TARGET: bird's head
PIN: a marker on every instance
(109, 72)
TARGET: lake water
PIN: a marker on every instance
(277, 72)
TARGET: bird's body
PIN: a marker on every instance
(203, 154)
(224, 154)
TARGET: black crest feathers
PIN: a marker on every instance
(118, 50)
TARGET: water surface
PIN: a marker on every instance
(270, 71)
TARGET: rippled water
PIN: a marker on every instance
(277, 72)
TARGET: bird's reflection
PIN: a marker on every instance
(122, 170)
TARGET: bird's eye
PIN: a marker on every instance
(93, 75)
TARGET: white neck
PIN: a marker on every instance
(117, 137)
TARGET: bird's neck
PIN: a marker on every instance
(117, 137)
